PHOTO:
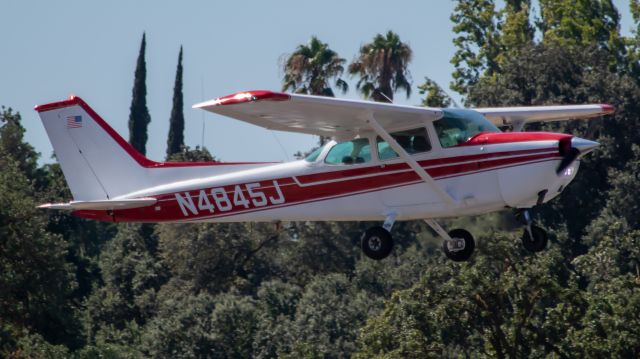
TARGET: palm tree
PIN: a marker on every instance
(382, 67)
(310, 68)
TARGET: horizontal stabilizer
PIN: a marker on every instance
(101, 205)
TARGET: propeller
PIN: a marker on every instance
(571, 149)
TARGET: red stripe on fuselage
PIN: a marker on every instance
(328, 185)
(343, 174)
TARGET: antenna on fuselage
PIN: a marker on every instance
(202, 112)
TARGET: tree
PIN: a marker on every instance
(435, 95)
(327, 318)
(186, 154)
(175, 141)
(132, 274)
(496, 306)
(584, 22)
(477, 42)
(139, 117)
(35, 278)
(382, 67)
(311, 67)
(516, 30)
(13, 143)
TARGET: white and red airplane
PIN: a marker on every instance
(386, 162)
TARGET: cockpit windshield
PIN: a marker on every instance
(313, 156)
(459, 125)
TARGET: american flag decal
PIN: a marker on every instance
(74, 121)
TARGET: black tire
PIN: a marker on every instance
(538, 242)
(463, 254)
(376, 243)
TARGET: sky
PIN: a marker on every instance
(51, 49)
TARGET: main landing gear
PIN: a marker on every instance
(458, 244)
(377, 243)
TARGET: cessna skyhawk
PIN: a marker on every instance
(386, 162)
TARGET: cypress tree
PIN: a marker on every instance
(176, 123)
(139, 117)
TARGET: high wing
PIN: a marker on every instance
(518, 116)
(317, 115)
(333, 117)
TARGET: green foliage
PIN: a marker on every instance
(382, 67)
(476, 42)
(139, 117)
(435, 95)
(202, 326)
(132, 275)
(216, 257)
(310, 69)
(35, 277)
(583, 22)
(175, 140)
(186, 154)
(496, 305)
(327, 317)
(12, 144)
(516, 31)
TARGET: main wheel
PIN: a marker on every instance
(376, 243)
(537, 242)
(461, 246)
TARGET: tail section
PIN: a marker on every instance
(96, 161)
(100, 165)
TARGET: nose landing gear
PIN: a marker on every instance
(534, 238)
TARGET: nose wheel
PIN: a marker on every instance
(534, 238)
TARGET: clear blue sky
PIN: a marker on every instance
(51, 49)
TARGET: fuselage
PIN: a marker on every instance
(487, 172)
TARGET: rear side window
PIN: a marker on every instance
(413, 141)
(350, 152)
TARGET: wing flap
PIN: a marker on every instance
(501, 116)
(101, 205)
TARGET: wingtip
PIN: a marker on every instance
(243, 97)
(607, 109)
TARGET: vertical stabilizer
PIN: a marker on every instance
(97, 162)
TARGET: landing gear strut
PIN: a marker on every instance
(534, 238)
(458, 245)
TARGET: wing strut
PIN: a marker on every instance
(444, 196)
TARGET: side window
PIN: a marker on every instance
(413, 141)
(350, 152)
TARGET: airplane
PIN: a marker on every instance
(385, 162)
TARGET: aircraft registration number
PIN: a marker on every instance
(230, 198)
